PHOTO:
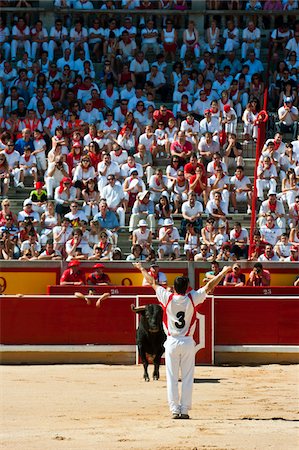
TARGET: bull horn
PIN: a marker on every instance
(137, 309)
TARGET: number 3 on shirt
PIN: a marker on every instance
(181, 320)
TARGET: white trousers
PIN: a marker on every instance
(35, 46)
(53, 46)
(262, 185)
(179, 355)
(16, 44)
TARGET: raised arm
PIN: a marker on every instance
(151, 281)
(216, 280)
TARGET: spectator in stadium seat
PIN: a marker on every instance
(294, 256)
(270, 232)
(140, 67)
(294, 213)
(73, 274)
(114, 195)
(266, 177)
(30, 248)
(107, 167)
(143, 208)
(20, 38)
(191, 210)
(259, 276)
(215, 270)
(288, 118)
(50, 253)
(57, 170)
(258, 246)
(269, 255)
(241, 189)
(293, 45)
(251, 37)
(168, 241)
(143, 237)
(239, 239)
(210, 124)
(162, 115)
(216, 207)
(219, 182)
(232, 152)
(28, 213)
(275, 207)
(79, 38)
(149, 38)
(283, 247)
(231, 37)
(181, 147)
(235, 278)
(190, 41)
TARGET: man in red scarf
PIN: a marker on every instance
(274, 206)
(294, 256)
(159, 277)
(162, 115)
(98, 277)
(239, 239)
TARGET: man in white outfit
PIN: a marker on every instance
(179, 325)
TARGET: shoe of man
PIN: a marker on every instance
(185, 416)
(175, 416)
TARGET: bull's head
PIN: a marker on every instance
(153, 316)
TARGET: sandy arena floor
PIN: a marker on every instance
(111, 408)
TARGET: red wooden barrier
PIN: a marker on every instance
(114, 290)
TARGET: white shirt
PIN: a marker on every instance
(270, 235)
(192, 211)
(113, 194)
(181, 314)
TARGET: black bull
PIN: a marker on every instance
(150, 337)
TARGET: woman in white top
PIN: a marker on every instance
(191, 42)
(143, 237)
(212, 37)
(49, 220)
(83, 172)
(169, 39)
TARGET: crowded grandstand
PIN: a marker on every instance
(147, 130)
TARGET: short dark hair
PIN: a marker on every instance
(181, 285)
(258, 265)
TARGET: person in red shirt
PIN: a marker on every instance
(190, 167)
(198, 183)
(162, 115)
(258, 246)
(98, 277)
(181, 147)
(73, 274)
(259, 276)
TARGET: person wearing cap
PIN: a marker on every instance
(73, 275)
(288, 118)
(229, 119)
(294, 256)
(159, 277)
(266, 177)
(169, 241)
(28, 212)
(275, 207)
(38, 197)
(235, 278)
(143, 237)
(132, 186)
(179, 309)
(143, 208)
(98, 277)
